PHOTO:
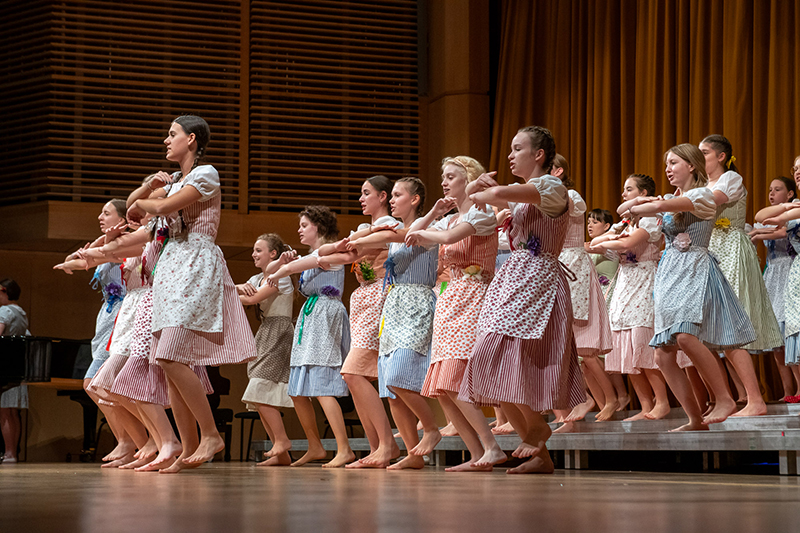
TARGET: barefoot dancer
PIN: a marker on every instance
(525, 356)
(13, 322)
(468, 249)
(268, 388)
(695, 307)
(197, 317)
(739, 263)
(631, 313)
(360, 368)
(590, 317)
(406, 324)
(321, 337)
(780, 255)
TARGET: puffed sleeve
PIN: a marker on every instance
(362, 227)
(333, 268)
(731, 184)
(442, 224)
(652, 225)
(388, 220)
(255, 281)
(703, 201)
(285, 285)
(205, 179)
(578, 205)
(554, 195)
(6, 315)
(759, 225)
(484, 222)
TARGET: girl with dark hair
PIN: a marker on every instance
(13, 322)
(606, 263)
(366, 305)
(739, 263)
(632, 311)
(321, 336)
(406, 323)
(268, 386)
(695, 307)
(525, 357)
(197, 317)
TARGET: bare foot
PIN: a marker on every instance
(380, 458)
(709, 407)
(534, 442)
(721, 411)
(179, 464)
(409, 461)
(492, 456)
(580, 411)
(166, 457)
(504, 429)
(757, 408)
(283, 459)
(208, 448)
(279, 448)
(567, 427)
(449, 431)
(143, 459)
(641, 415)
(559, 419)
(122, 449)
(493, 423)
(116, 463)
(658, 412)
(701, 426)
(623, 402)
(311, 455)
(429, 441)
(540, 464)
(469, 467)
(607, 413)
(341, 458)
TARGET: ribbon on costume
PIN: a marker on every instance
(308, 308)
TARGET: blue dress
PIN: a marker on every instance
(321, 336)
(792, 298)
(108, 280)
(407, 319)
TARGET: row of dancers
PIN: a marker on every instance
(447, 307)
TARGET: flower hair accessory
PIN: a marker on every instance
(682, 242)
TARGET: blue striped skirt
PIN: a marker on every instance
(404, 369)
(314, 381)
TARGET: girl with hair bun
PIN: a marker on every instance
(268, 385)
(406, 323)
(739, 263)
(321, 338)
(695, 307)
(197, 317)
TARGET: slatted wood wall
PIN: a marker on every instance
(305, 99)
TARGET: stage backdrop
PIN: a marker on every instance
(619, 82)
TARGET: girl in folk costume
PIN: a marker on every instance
(592, 329)
(366, 305)
(632, 312)
(525, 356)
(406, 324)
(267, 389)
(780, 255)
(197, 317)
(739, 263)
(13, 322)
(321, 336)
(695, 307)
(468, 247)
(606, 262)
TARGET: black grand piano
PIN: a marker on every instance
(56, 363)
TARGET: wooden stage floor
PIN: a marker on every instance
(233, 497)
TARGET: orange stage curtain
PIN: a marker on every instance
(619, 82)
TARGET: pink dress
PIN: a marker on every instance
(197, 316)
(470, 263)
(525, 352)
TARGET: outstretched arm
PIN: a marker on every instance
(637, 237)
(263, 292)
(461, 231)
(378, 240)
(162, 206)
(673, 205)
(295, 267)
(500, 195)
(441, 207)
(776, 210)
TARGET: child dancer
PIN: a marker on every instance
(780, 254)
(406, 324)
(591, 326)
(694, 305)
(321, 337)
(468, 248)
(267, 390)
(197, 317)
(606, 262)
(631, 311)
(360, 367)
(13, 322)
(525, 356)
(739, 263)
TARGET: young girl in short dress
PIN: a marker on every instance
(406, 324)
(268, 385)
(321, 337)
(631, 313)
(197, 317)
(606, 263)
(780, 254)
(739, 263)
(468, 249)
(525, 356)
(694, 306)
